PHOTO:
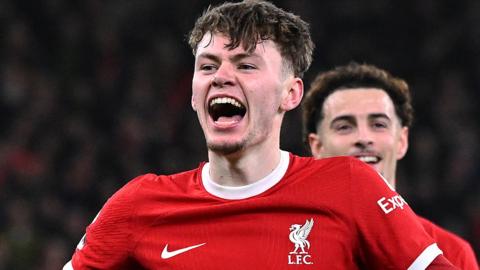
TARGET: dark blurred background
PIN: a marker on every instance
(93, 93)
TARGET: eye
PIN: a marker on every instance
(246, 66)
(343, 128)
(208, 67)
(380, 125)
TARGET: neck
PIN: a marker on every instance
(390, 178)
(243, 167)
(392, 183)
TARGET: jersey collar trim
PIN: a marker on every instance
(247, 191)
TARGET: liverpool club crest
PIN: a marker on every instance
(298, 236)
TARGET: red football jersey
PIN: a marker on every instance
(458, 251)
(335, 213)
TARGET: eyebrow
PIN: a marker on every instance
(351, 119)
(234, 58)
(210, 56)
(378, 115)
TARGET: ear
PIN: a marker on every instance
(315, 144)
(403, 143)
(294, 94)
(194, 106)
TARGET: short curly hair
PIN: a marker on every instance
(252, 21)
(349, 76)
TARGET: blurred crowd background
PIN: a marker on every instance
(94, 93)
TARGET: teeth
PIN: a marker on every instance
(225, 100)
(368, 159)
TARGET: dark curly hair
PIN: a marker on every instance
(349, 76)
(252, 21)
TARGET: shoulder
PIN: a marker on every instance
(123, 202)
(338, 170)
(340, 163)
(453, 246)
(347, 177)
(146, 182)
(141, 189)
(325, 170)
(347, 166)
(138, 194)
(442, 234)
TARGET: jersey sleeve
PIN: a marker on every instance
(108, 241)
(469, 261)
(456, 249)
(460, 252)
(391, 235)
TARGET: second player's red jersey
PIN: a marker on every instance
(458, 251)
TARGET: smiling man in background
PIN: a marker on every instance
(362, 111)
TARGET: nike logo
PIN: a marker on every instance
(168, 254)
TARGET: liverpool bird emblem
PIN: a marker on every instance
(299, 234)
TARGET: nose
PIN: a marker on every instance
(364, 138)
(223, 76)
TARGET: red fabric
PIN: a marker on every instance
(441, 263)
(339, 195)
(458, 251)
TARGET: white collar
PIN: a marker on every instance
(250, 190)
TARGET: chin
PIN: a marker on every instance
(225, 148)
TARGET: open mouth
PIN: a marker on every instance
(226, 109)
(370, 159)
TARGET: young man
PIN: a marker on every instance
(365, 112)
(253, 206)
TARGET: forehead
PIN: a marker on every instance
(358, 102)
(215, 43)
